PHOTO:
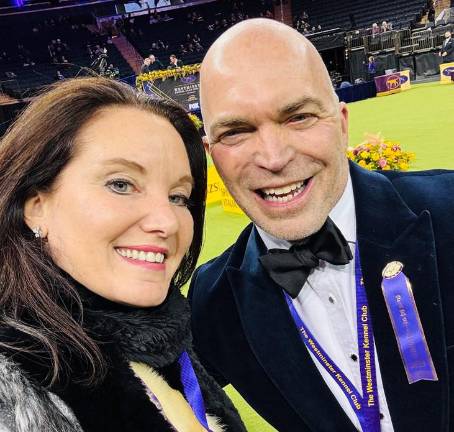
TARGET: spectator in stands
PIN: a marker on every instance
(371, 68)
(155, 64)
(163, 45)
(183, 50)
(145, 68)
(375, 29)
(59, 76)
(174, 62)
(447, 49)
(385, 27)
(25, 55)
(112, 71)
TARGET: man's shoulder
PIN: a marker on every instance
(424, 188)
(420, 178)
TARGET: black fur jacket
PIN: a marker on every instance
(155, 336)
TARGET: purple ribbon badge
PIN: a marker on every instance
(406, 323)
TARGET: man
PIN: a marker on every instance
(174, 62)
(447, 49)
(145, 68)
(371, 68)
(155, 64)
(278, 137)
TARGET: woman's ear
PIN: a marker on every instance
(34, 213)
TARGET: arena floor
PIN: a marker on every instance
(421, 119)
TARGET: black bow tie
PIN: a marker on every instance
(290, 268)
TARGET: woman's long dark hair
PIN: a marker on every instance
(33, 152)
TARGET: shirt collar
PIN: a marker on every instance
(343, 215)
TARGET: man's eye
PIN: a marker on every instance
(298, 117)
(180, 200)
(228, 134)
(304, 120)
(231, 137)
(120, 186)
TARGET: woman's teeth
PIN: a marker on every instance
(153, 257)
(283, 194)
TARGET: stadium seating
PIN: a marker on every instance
(334, 13)
(35, 33)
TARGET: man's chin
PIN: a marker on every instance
(290, 230)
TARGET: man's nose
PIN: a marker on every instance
(274, 149)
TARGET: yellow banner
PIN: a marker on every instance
(405, 80)
(228, 203)
(446, 69)
(217, 192)
(214, 186)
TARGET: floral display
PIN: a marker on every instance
(167, 73)
(377, 153)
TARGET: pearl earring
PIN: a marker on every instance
(38, 232)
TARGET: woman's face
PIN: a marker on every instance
(117, 219)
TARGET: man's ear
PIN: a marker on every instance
(343, 114)
(34, 212)
(206, 144)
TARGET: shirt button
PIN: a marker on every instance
(382, 416)
(332, 299)
(354, 357)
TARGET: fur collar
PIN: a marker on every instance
(155, 335)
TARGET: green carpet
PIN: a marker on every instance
(422, 119)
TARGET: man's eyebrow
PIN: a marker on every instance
(228, 123)
(127, 163)
(300, 103)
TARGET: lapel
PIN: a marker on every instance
(387, 231)
(276, 343)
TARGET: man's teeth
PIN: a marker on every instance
(154, 257)
(283, 194)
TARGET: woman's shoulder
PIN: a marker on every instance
(27, 407)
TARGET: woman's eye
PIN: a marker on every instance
(179, 200)
(120, 186)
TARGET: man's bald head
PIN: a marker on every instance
(252, 45)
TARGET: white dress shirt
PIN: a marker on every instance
(327, 305)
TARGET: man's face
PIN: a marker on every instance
(278, 138)
(152, 58)
(447, 35)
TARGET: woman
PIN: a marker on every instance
(102, 195)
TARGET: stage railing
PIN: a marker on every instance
(423, 40)
(403, 41)
(382, 42)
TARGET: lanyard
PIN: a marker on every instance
(364, 404)
(192, 389)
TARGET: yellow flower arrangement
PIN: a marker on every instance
(376, 153)
(167, 73)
